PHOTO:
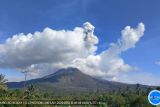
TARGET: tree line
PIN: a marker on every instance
(114, 98)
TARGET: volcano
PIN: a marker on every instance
(72, 80)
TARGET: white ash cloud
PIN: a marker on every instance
(109, 63)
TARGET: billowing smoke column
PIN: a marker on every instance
(109, 63)
(90, 38)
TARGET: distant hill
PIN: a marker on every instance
(72, 80)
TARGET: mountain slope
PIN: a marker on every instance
(71, 80)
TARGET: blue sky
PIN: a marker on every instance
(108, 16)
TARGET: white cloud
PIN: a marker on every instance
(45, 52)
(131, 36)
(145, 78)
(48, 46)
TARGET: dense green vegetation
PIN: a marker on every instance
(120, 98)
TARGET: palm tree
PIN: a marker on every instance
(3, 81)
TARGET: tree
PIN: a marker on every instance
(16, 94)
(118, 100)
(30, 93)
(3, 83)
